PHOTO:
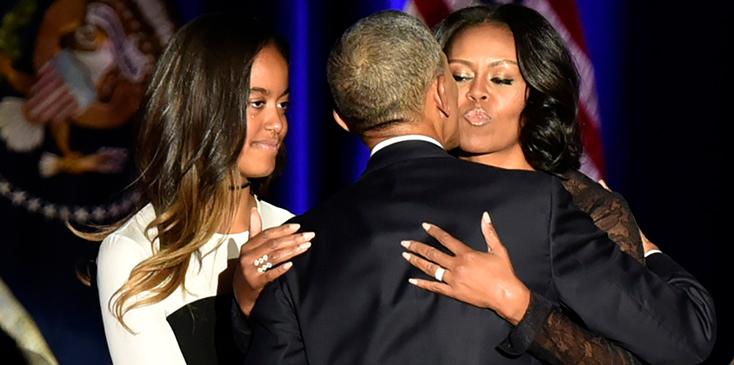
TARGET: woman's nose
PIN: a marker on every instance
(275, 123)
(477, 92)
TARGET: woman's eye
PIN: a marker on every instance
(501, 81)
(285, 105)
(257, 104)
(461, 78)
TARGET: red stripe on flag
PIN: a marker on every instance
(591, 136)
(564, 15)
(432, 11)
(568, 12)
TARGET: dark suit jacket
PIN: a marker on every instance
(348, 300)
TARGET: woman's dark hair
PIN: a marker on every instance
(191, 132)
(194, 113)
(550, 134)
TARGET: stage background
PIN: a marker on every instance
(662, 76)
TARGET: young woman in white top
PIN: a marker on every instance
(212, 126)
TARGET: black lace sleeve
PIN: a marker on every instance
(562, 341)
(550, 334)
(609, 211)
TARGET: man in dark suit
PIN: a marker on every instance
(348, 300)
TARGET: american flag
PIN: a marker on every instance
(564, 16)
(62, 90)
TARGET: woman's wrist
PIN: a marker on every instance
(517, 300)
(246, 301)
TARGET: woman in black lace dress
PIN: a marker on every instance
(518, 94)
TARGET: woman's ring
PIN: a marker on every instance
(264, 267)
(260, 260)
(439, 273)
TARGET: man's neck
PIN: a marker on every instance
(372, 138)
(404, 138)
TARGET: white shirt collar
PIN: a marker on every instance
(407, 137)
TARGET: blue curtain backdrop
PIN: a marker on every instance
(662, 76)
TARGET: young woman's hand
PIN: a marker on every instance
(264, 258)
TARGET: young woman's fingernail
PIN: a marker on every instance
(304, 246)
(426, 226)
(413, 281)
(405, 244)
(485, 218)
(406, 256)
(308, 236)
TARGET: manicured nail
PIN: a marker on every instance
(413, 281)
(485, 218)
(406, 256)
(287, 265)
(294, 227)
(426, 226)
(405, 244)
(304, 246)
(308, 236)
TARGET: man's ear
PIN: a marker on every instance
(440, 96)
(340, 121)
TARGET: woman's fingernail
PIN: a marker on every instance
(304, 246)
(426, 226)
(406, 256)
(413, 281)
(294, 227)
(405, 244)
(287, 265)
(308, 236)
(485, 218)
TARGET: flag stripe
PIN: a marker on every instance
(570, 30)
(593, 146)
(432, 11)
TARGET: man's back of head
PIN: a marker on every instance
(380, 69)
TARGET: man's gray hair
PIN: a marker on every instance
(380, 69)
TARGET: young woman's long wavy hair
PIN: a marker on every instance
(192, 129)
(550, 133)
